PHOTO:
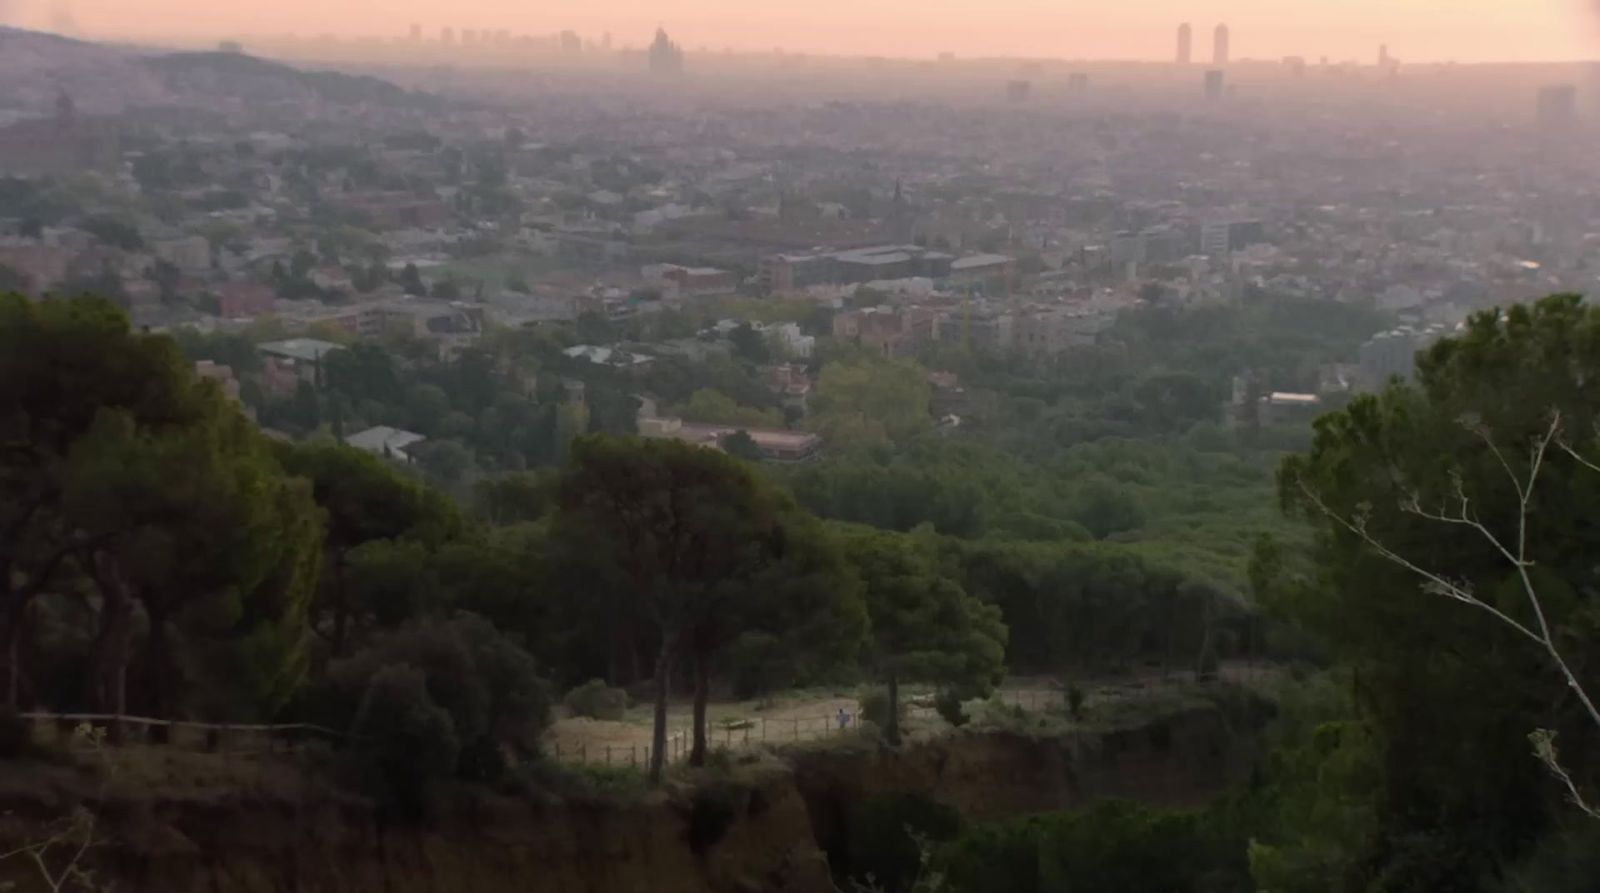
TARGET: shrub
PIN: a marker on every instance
(596, 700)
(406, 739)
(949, 705)
(488, 689)
(882, 838)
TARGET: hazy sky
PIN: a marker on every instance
(1467, 30)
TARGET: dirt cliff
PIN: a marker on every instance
(764, 829)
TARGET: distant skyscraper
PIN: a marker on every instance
(1219, 46)
(1019, 91)
(1558, 106)
(416, 32)
(1185, 43)
(1213, 84)
(666, 57)
(1078, 82)
(1383, 55)
(447, 35)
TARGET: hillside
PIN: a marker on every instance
(109, 79)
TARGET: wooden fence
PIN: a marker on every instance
(241, 739)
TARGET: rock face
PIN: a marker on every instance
(768, 832)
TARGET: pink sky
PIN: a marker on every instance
(1421, 30)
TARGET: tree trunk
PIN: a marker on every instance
(702, 688)
(892, 732)
(108, 675)
(658, 736)
(158, 666)
(10, 640)
(341, 614)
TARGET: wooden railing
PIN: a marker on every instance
(210, 737)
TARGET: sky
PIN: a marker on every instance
(1417, 30)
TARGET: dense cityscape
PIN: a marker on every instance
(575, 423)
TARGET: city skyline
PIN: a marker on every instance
(1417, 30)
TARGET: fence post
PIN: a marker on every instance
(747, 736)
(608, 756)
(583, 753)
(633, 755)
(763, 729)
(797, 728)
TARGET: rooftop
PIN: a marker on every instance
(309, 350)
(385, 441)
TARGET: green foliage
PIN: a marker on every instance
(951, 706)
(487, 690)
(127, 477)
(1115, 846)
(870, 401)
(924, 626)
(596, 700)
(741, 445)
(687, 543)
(884, 836)
(749, 345)
(716, 408)
(1449, 694)
(365, 500)
(408, 740)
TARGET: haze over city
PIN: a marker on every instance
(1417, 30)
(799, 446)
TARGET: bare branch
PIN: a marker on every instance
(1461, 591)
(1435, 583)
(1544, 746)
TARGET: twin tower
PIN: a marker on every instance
(1219, 45)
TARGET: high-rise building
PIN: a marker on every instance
(1383, 55)
(666, 57)
(1558, 106)
(1213, 83)
(447, 35)
(1185, 43)
(1219, 46)
(1018, 91)
(1393, 354)
(1078, 82)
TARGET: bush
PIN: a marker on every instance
(881, 838)
(596, 700)
(1115, 846)
(406, 739)
(488, 690)
(949, 705)
(875, 707)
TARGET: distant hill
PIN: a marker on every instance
(35, 68)
(249, 77)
